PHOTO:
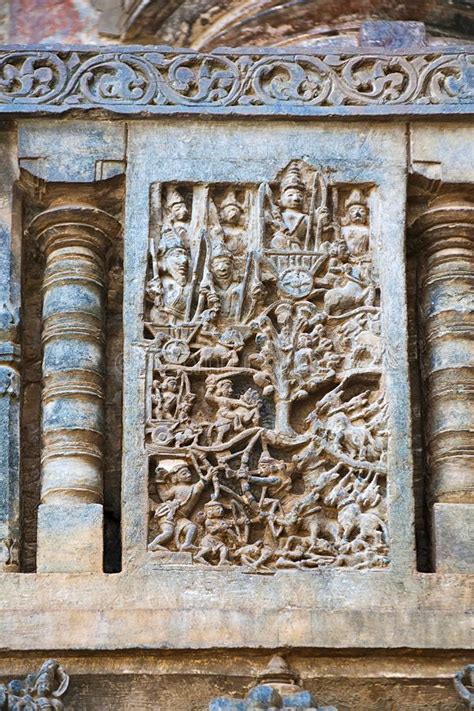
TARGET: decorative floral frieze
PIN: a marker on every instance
(160, 79)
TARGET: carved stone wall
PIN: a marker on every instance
(235, 377)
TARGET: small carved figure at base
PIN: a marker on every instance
(464, 685)
(37, 692)
(278, 687)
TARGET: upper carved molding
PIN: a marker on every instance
(157, 80)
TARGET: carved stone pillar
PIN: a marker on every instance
(74, 240)
(446, 280)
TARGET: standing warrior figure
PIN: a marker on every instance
(289, 223)
(230, 218)
(221, 290)
(355, 231)
(177, 221)
(226, 283)
(165, 398)
(170, 289)
(179, 497)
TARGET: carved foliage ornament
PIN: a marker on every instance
(266, 417)
(160, 78)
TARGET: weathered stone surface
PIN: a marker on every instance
(268, 479)
(190, 680)
(70, 538)
(453, 533)
(208, 24)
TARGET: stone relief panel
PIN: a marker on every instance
(265, 409)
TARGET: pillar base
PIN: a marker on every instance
(453, 529)
(70, 538)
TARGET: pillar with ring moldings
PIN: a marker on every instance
(74, 240)
(446, 310)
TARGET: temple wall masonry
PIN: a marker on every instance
(236, 378)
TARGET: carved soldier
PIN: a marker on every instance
(169, 397)
(179, 496)
(233, 414)
(170, 291)
(272, 475)
(290, 222)
(230, 216)
(222, 292)
(255, 555)
(177, 218)
(304, 355)
(218, 535)
(355, 231)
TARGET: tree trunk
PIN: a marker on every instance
(282, 417)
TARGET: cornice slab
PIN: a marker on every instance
(143, 81)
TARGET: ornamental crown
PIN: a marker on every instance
(173, 197)
(170, 240)
(292, 178)
(355, 198)
(230, 199)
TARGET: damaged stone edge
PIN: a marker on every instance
(161, 80)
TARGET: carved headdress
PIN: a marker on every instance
(230, 199)
(173, 197)
(165, 475)
(219, 249)
(355, 198)
(170, 240)
(292, 178)
(266, 458)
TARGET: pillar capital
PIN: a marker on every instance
(73, 225)
(449, 216)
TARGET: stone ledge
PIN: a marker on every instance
(173, 610)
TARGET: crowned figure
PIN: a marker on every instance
(289, 222)
(170, 290)
(231, 217)
(355, 230)
(221, 289)
(177, 218)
